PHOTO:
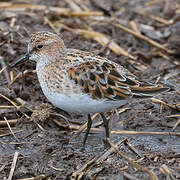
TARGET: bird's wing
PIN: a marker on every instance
(104, 79)
(101, 80)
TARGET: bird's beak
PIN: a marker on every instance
(25, 57)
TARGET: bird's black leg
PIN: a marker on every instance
(87, 130)
(106, 122)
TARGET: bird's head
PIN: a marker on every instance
(43, 46)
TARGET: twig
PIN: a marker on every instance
(40, 127)
(79, 173)
(12, 102)
(13, 79)
(177, 123)
(161, 20)
(103, 48)
(133, 149)
(128, 176)
(100, 38)
(153, 2)
(121, 110)
(13, 165)
(63, 117)
(74, 6)
(3, 69)
(9, 133)
(175, 107)
(151, 173)
(28, 135)
(15, 105)
(173, 115)
(61, 124)
(3, 166)
(10, 122)
(124, 132)
(7, 107)
(110, 151)
(51, 25)
(140, 36)
(10, 129)
(156, 18)
(96, 160)
(86, 13)
(42, 176)
(56, 169)
(20, 7)
(164, 169)
(6, 74)
(145, 133)
(103, 40)
(134, 27)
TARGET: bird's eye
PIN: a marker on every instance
(40, 46)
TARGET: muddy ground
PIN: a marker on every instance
(39, 137)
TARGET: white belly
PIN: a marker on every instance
(81, 103)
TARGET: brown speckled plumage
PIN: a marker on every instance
(80, 82)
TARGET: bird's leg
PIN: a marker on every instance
(88, 129)
(106, 122)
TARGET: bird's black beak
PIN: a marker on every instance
(25, 57)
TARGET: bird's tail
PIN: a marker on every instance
(146, 90)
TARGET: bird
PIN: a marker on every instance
(81, 82)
